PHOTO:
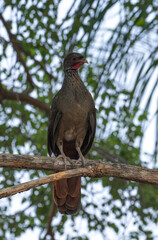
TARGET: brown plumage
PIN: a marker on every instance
(71, 130)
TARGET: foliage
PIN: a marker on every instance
(119, 40)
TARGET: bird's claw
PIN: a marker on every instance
(65, 159)
(69, 160)
(83, 161)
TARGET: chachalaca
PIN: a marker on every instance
(71, 130)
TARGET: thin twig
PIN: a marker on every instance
(17, 50)
(51, 215)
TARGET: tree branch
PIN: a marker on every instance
(50, 217)
(92, 169)
(108, 156)
(37, 62)
(8, 95)
(18, 52)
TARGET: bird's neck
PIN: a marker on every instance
(72, 78)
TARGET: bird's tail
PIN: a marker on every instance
(67, 192)
(67, 195)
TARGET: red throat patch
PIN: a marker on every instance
(77, 65)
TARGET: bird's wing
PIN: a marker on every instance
(87, 143)
(55, 117)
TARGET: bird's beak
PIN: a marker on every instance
(83, 60)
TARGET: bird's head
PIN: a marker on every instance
(74, 61)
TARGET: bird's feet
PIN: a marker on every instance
(81, 157)
(82, 160)
(65, 158)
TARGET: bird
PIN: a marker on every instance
(71, 131)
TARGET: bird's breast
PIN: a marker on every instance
(73, 121)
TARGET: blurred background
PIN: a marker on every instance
(119, 38)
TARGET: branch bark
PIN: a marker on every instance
(8, 95)
(92, 169)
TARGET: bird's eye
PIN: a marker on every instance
(74, 58)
